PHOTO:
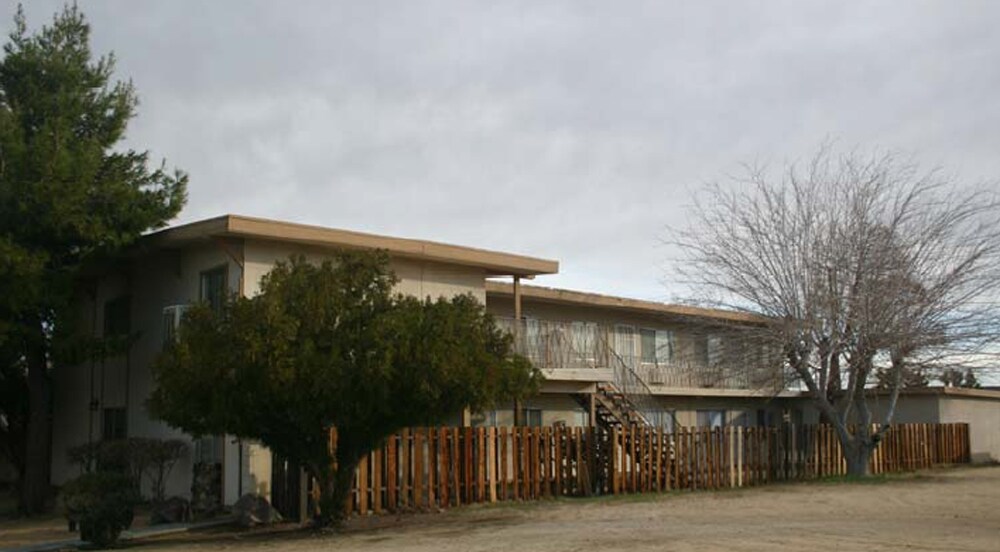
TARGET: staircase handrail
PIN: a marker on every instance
(631, 385)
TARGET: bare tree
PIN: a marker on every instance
(864, 269)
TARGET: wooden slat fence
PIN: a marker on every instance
(431, 468)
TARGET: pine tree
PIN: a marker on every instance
(69, 194)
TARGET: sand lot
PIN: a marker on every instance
(957, 509)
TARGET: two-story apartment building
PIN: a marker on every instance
(606, 360)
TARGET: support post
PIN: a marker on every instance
(517, 339)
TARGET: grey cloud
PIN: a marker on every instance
(573, 130)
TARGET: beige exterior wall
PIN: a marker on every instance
(983, 417)
(911, 409)
(418, 278)
(738, 411)
(162, 279)
(555, 409)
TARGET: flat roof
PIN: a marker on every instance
(970, 392)
(238, 226)
(580, 298)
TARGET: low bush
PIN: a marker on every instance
(137, 457)
(102, 503)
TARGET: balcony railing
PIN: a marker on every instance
(555, 345)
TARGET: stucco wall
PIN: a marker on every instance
(161, 279)
(418, 278)
(983, 417)
(910, 409)
(555, 409)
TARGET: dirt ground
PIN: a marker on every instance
(953, 510)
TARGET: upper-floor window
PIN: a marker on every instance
(647, 345)
(714, 350)
(117, 316)
(656, 346)
(584, 340)
(213, 287)
(624, 342)
(113, 422)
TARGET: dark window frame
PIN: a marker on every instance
(222, 270)
(118, 316)
(527, 413)
(114, 423)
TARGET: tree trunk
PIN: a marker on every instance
(335, 489)
(857, 455)
(36, 483)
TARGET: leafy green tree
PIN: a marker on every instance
(70, 194)
(332, 345)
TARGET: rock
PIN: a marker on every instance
(251, 510)
(172, 510)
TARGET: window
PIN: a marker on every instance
(711, 418)
(664, 419)
(764, 418)
(214, 288)
(113, 422)
(169, 326)
(624, 343)
(484, 419)
(531, 417)
(584, 340)
(533, 346)
(117, 316)
(208, 450)
(714, 350)
(664, 346)
(656, 346)
(647, 346)
(700, 349)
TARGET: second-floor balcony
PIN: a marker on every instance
(662, 359)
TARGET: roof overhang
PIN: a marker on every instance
(579, 298)
(495, 263)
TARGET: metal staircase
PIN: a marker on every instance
(626, 401)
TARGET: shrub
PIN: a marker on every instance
(135, 457)
(103, 503)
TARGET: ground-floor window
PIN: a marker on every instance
(711, 418)
(208, 450)
(664, 419)
(484, 419)
(531, 417)
(765, 418)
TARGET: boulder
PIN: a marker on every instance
(172, 510)
(251, 510)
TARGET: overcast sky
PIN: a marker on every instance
(569, 130)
